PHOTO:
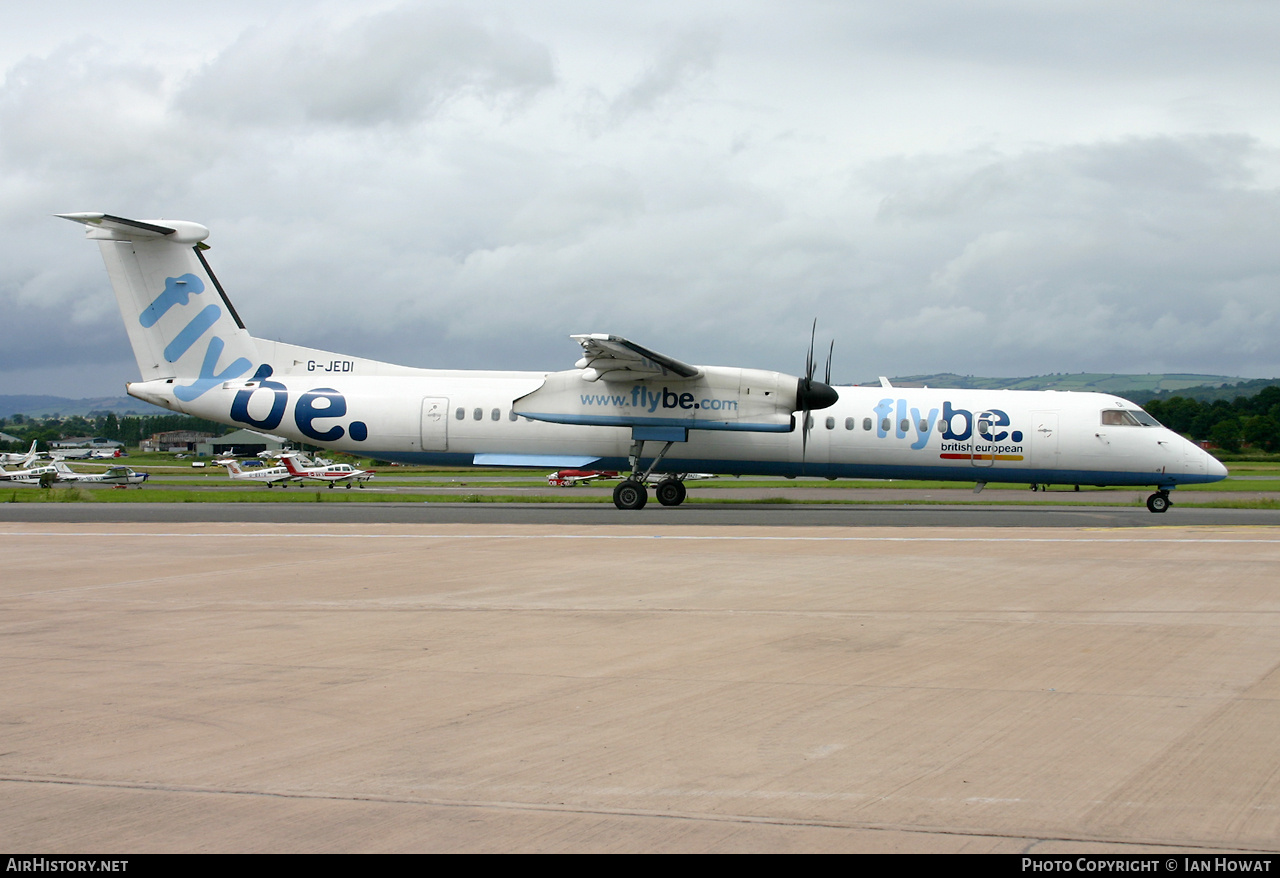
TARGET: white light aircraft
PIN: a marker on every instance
(20, 458)
(113, 475)
(620, 401)
(272, 475)
(333, 473)
(84, 454)
(45, 476)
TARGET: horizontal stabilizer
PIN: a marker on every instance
(105, 227)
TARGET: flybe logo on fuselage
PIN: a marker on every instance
(961, 430)
(319, 403)
(177, 293)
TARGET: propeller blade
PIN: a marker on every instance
(830, 353)
(808, 360)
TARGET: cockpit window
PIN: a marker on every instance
(1126, 418)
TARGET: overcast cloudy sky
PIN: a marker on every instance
(995, 187)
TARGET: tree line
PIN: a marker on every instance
(1252, 421)
(130, 429)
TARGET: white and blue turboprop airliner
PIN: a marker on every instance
(621, 407)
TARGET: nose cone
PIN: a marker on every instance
(816, 396)
(1214, 467)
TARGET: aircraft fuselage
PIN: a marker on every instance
(448, 418)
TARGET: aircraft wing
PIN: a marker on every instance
(616, 359)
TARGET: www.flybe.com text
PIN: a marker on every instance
(651, 401)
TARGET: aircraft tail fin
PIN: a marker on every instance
(181, 325)
(233, 466)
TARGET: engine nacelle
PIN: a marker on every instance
(720, 398)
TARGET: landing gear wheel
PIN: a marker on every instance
(630, 495)
(1159, 502)
(670, 492)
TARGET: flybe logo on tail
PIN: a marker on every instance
(177, 294)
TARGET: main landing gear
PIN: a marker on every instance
(1159, 502)
(633, 494)
(670, 492)
(630, 494)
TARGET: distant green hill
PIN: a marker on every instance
(33, 405)
(1138, 388)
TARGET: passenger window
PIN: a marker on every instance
(831, 423)
(886, 425)
(478, 414)
(943, 426)
(904, 425)
(512, 416)
(496, 414)
(808, 422)
(924, 426)
(848, 423)
(866, 423)
(461, 414)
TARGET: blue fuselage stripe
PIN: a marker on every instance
(849, 470)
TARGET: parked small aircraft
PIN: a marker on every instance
(568, 478)
(272, 475)
(20, 458)
(196, 356)
(44, 475)
(48, 474)
(114, 475)
(333, 473)
(84, 454)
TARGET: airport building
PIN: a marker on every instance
(241, 443)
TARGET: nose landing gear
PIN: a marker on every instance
(1159, 502)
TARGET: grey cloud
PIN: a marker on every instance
(370, 189)
(85, 112)
(397, 66)
(1124, 255)
(690, 56)
(1090, 38)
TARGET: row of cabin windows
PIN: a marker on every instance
(477, 414)
(1109, 418)
(885, 424)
